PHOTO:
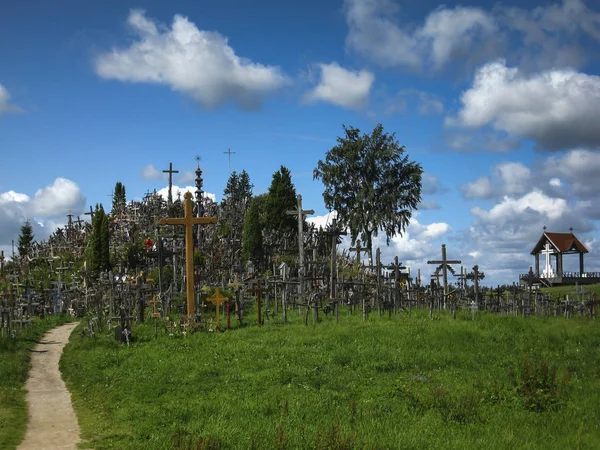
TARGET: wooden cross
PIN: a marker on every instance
(358, 249)
(334, 233)
(260, 291)
(444, 262)
(476, 275)
(170, 172)
(188, 221)
(235, 284)
(155, 314)
(301, 214)
(217, 299)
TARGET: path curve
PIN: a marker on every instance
(52, 421)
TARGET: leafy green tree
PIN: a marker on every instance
(281, 197)
(252, 248)
(119, 198)
(371, 183)
(25, 239)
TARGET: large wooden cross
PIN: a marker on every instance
(358, 249)
(300, 214)
(170, 172)
(189, 221)
(444, 266)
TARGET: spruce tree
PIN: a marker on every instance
(119, 198)
(25, 239)
(281, 197)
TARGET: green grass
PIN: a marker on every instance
(563, 291)
(404, 382)
(15, 357)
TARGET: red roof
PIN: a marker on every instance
(562, 242)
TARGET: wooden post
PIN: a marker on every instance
(300, 215)
(188, 221)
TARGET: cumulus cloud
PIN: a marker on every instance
(198, 63)
(342, 87)
(580, 168)
(46, 210)
(150, 172)
(177, 190)
(430, 184)
(557, 109)
(445, 34)
(482, 187)
(549, 36)
(5, 105)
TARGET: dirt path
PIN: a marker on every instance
(52, 421)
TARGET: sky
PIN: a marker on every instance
(499, 103)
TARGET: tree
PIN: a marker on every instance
(371, 183)
(281, 197)
(239, 189)
(98, 252)
(25, 239)
(119, 198)
(252, 241)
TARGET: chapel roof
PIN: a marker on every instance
(561, 242)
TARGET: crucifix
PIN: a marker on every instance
(217, 299)
(444, 266)
(188, 221)
(301, 214)
(91, 214)
(170, 172)
(229, 153)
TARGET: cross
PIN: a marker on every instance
(2, 263)
(217, 299)
(444, 262)
(91, 214)
(170, 172)
(358, 249)
(188, 221)
(334, 233)
(301, 214)
(548, 270)
(260, 291)
(476, 275)
(155, 314)
(229, 153)
(235, 284)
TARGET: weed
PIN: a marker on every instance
(332, 439)
(540, 385)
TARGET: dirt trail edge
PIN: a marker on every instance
(52, 421)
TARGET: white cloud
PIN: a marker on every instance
(149, 172)
(5, 105)
(445, 33)
(175, 190)
(537, 201)
(47, 209)
(555, 182)
(578, 167)
(515, 177)
(550, 36)
(557, 108)
(198, 63)
(482, 187)
(342, 87)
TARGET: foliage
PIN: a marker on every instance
(347, 385)
(98, 251)
(281, 198)
(25, 239)
(371, 183)
(239, 188)
(119, 198)
(540, 385)
(252, 243)
(15, 355)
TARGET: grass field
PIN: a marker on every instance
(404, 382)
(563, 291)
(15, 357)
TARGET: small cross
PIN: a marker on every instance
(217, 299)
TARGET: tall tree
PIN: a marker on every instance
(98, 251)
(25, 239)
(281, 197)
(119, 198)
(371, 183)
(252, 241)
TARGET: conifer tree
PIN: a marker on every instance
(281, 197)
(25, 239)
(119, 198)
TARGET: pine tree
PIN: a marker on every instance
(98, 252)
(25, 239)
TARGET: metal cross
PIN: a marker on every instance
(170, 172)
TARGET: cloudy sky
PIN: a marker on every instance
(499, 102)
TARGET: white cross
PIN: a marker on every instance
(548, 270)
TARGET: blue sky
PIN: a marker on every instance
(498, 102)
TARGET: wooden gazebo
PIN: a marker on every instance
(554, 246)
